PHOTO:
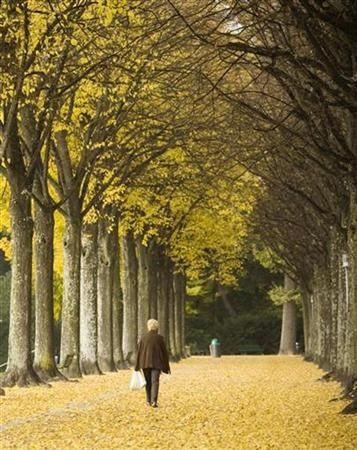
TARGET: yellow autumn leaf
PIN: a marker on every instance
(232, 402)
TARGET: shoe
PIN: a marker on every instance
(148, 404)
(154, 405)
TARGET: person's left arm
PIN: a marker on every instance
(165, 356)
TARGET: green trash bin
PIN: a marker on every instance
(215, 348)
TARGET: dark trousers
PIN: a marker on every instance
(152, 377)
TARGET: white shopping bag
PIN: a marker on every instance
(137, 381)
(165, 377)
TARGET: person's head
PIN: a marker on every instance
(153, 325)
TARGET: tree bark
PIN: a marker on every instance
(324, 314)
(163, 296)
(105, 294)
(153, 275)
(352, 284)
(306, 308)
(69, 362)
(171, 315)
(334, 299)
(130, 300)
(44, 362)
(316, 340)
(352, 247)
(341, 324)
(143, 287)
(117, 304)
(183, 309)
(178, 283)
(288, 327)
(19, 369)
(88, 300)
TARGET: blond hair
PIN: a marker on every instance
(153, 325)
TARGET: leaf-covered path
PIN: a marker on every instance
(242, 402)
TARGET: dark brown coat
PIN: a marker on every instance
(152, 353)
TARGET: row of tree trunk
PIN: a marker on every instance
(329, 309)
(330, 312)
(151, 288)
(111, 287)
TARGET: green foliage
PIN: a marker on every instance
(255, 280)
(267, 258)
(203, 288)
(251, 328)
(279, 295)
(256, 319)
(198, 335)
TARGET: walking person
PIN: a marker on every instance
(152, 358)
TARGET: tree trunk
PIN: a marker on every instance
(88, 300)
(324, 326)
(153, 275)
(351, 275)
(71, 292)
(171, 316)
(350, 272)
(288, 327)
(317, 342)
(19, 369)
(178, 291)
(341, 323)
(105, 293)
(162, 298)
(130, 301)
(44, 362)
(306, 308)
(337, 244)
(143, 287)
(117, 304)
(183, 313)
